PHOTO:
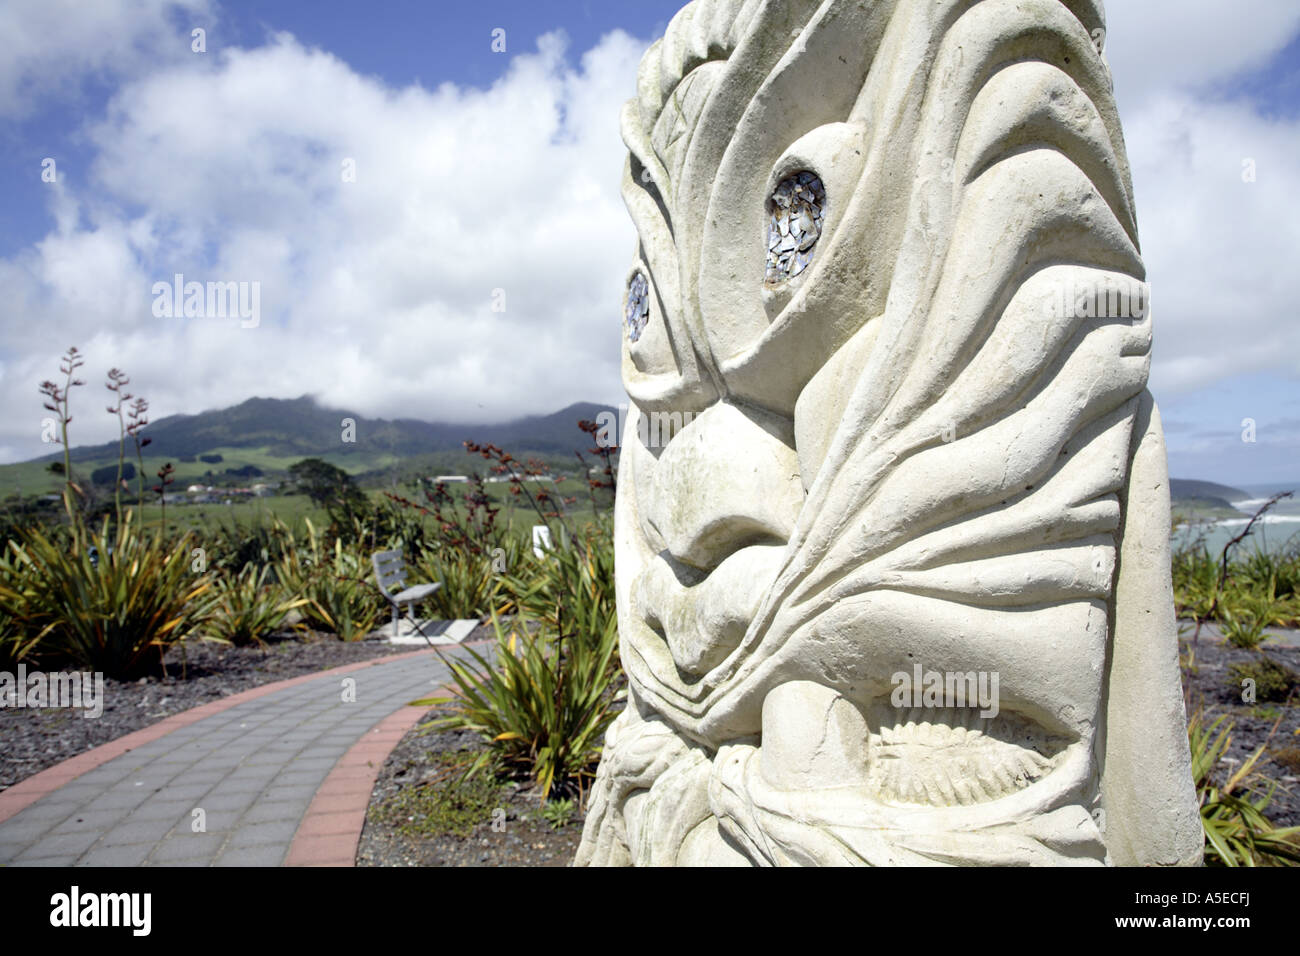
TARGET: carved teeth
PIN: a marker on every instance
(952, 756)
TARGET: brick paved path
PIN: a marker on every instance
(252, 769)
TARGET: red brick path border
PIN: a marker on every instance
(26, 792)
(330, 830)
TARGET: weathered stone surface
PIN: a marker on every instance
(899, 592)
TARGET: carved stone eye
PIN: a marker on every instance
(637, 313)
(796, 210)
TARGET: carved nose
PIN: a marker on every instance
(728, 480)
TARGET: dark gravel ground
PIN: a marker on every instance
(32, 739)
(418, 801)
(1209, 684)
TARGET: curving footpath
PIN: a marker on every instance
(277, 775)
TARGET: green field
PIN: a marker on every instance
(30, 477)
(293, 509)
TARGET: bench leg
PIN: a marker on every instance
(396, 633)
(415, 624)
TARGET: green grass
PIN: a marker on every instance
(433, 808)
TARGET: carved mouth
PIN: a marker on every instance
(703, 618)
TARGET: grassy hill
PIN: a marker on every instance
(271, 434)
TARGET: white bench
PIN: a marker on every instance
(390, 572)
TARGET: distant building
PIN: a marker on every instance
(451, 479)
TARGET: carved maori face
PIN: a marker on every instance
(870, 436)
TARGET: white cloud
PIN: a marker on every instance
(1157, 46)
(52, 45)
(376, 294)
(1219, 250)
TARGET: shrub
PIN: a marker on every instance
(472, 584)
(115, 612)
(1196, 581)
(248, 606)
(335, 586)
(1237, 833)
(1273, 682)
(543, 705)
(235, 546)
(570, 590)
(15, 613)
(1244, 615)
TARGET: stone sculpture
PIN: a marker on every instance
(888, 273)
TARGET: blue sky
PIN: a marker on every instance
(480, 171)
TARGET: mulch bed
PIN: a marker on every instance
(421, 814)
(1207, 678)
(37, 738)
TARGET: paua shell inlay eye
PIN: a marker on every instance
(797, 208)
(637, 313)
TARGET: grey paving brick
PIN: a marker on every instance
(172, 758)
(278, 810)
(137, 831)
(188, 846)
(284, 793)
(324, 762)
(80, 792)
(217, 821)
(73, 844)
(163, 809)
(268, 758)
(306, 779)
(217, 801)
(254, 771)
(126, 855)
(254, 834)
(202, 775)
(61, 860)
(245, 779)
(121, 799)
(105, 775)
(48, 810)
(188, 863)
(26, 826)
(86, 820)
(185, 791)
(265, 855)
